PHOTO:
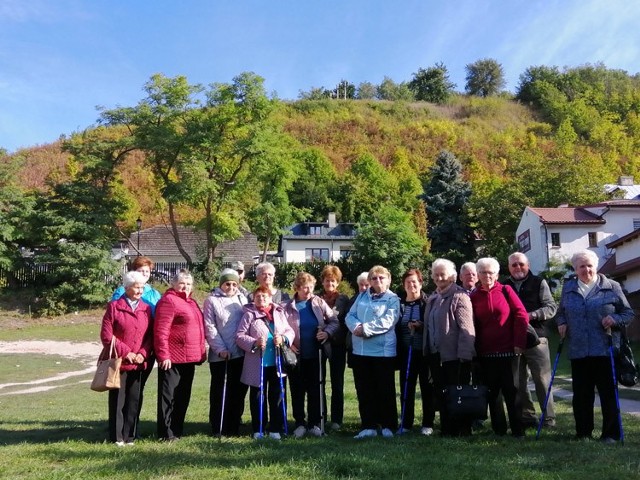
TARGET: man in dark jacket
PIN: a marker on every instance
(536, 297)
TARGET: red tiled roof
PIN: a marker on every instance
(566, 215)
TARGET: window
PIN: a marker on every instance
(311, 254)
(346, 252)
(555, 239)
(636, 223)
(315, 230)
(593, 239)
(524, 241)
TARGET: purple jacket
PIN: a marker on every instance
(327, 319)
(252, 326)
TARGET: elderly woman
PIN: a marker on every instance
(371, 320)
(150, 296)
(592, 308)
(180, 346)
(128, 319)
(500, 321)
(223, 309)
(313, 324)
(262, 329)
(330, 277)
(448, 339)
(409, 332)
(265, 274)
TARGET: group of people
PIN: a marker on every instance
(475, 331)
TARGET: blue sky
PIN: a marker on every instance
(59, 59)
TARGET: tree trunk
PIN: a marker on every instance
(176, 236)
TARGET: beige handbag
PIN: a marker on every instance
(107, 376)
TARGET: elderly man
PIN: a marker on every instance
(536, 297)
(468, 276)
(238, 266)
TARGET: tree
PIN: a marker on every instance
(527, 89)
(484, 78)
(313, 186)
(388, 238)
(201, 145)
(344, 90)
(316, 93)
(390, 90)
(432, 85)
(366, 91)
(446, 195)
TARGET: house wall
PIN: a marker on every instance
(295, 250)
(626, 252)
(537, 252)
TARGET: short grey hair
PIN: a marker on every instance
(182, 274)
(488, 262)
(264, 266)
(515, 255)
(449, 267)
(133, 277)
(468, 266)
(585, 254)
(363, 277)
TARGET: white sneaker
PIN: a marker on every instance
(120, 444)
(386, 433)
(367, 432)
(315, 432)
(426, 431)
(258, 436)
(336, 427)
(299, 432)
(274, 436)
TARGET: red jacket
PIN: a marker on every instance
(133, 331)
(178, 330)
(500, 320)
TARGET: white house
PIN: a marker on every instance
(624, 267)
(555, 234)
(625, 188)
(326, 241)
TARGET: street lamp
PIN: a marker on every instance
(138, 224)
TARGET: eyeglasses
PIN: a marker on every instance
(240, 272)
(518, 264)
(379, 277)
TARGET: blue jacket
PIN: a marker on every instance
(378, 318)
(583, 316)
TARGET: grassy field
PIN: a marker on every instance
(60, 434)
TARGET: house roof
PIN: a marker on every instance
(626, 238)
(301, 231)
(630, 191)
(158, 241)
(611, 267)
(566, 215)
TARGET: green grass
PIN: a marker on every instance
(60, 434)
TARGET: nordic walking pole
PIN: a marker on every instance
(261, 416)
(406, 383)
(321, 382)
(283, 395)
(615, 384)
(546, 398)
(224, 395)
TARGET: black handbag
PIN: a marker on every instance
(289, 358)
(626, 368)
(468, 401)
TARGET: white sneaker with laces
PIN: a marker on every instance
(426, 431)
(386, 433)
(258, 436)
(315, 432)
(299, 432)
(367, 432)
(274, 436)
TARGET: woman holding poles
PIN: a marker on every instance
(262, 329)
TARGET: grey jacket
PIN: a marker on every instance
(222, 315)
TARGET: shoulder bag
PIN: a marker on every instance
(466, 401)
(288, 357)
(626, 368)
(107, 376)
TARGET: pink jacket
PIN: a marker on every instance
(133, 331)
(252, 327)
(327, 319)
(178, 331)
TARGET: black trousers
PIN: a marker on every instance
(500, 375)
(376, 391)
(305, 382)
(174, 394)
(145, 376)
(337, 365)
(234, 398)
(419, 369)
(587, 374)
(272, 413)
(452, 373)
(124, 407)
